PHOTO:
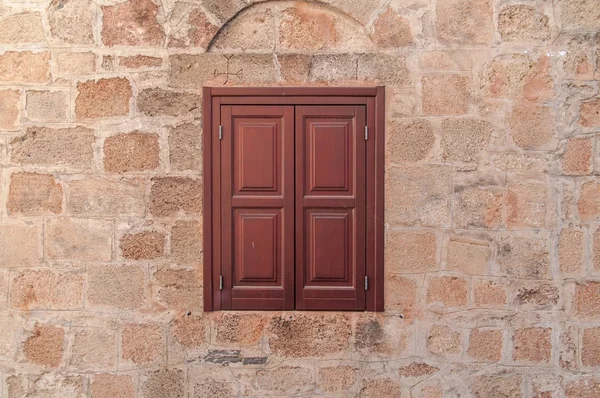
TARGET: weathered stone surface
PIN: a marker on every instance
(223, 9)
(445, 60)
(75, 63)
(116, 287)
(133, 23)
(362, 11)
(464, 21)
(164, 383)
(179, 289)
(71, 22)
(596, 250)
(537, 295)
(443, 341)
(418, 194)
(21, 245)
(201, 29)
(445, 94)
(449, 291)
(213, 388)
(485, 345)
(471, 258)
(9, 108)
(532, 127)
(94, 349)
(146, 245)
(185, 147)
(45, 346)
(134, 151)
(521, 22)
(577, 159)
(523, 256)
(464, 139)
(47, 289)
(142, 343)
(49, 106)
(308, 335)
(392, 30)
(579, 14)
(409, 140)
(588, 205)
(70, 147)
(417, 369)
(502, 385)
(284, 379)
(583, 388)
(571, 252)
(12, 70)
(380, 388)
(478, 205)
(99, 197)
(590, 353)
(186, 242)
(107, 385)
(103, 98)
(329, 68)
(189, 331)
(34, 194)
(526, 204)
(585, 300)
(400, 295)
(172, 195)
(387, 69)
(376, 335)
(157, 102)
(532, 344)
(239, 329)
(10, 334)
(489, 293)
(411, 252)
(338, 378)
(590, 113)
(23, 28)
(140, 61)
(78, 239)
(294, 67)
(254, 29)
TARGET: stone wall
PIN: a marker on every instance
(492, 198)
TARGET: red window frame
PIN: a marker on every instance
(372, 97)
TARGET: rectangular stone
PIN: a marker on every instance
(20, 245)
(78, 239)
(47, 289)
(102, 197)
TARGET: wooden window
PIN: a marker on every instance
(293, 198)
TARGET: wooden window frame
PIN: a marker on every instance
(371, 97)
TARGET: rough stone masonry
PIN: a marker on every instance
(492, 198)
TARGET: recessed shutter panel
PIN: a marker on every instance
(257, 191)
(330, 207)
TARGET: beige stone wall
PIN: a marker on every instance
(492, 198)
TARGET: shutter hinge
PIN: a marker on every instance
(366, 133)
(366, 283)
(220, 132)
(221, 282)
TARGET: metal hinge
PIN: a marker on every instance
(366, 283)
(366, 133)
(221, 282)
(220, 132)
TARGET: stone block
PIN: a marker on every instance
(172, 195)
(478, 205)
(9, 109)
(103, 98)
(588, 205)
(579, 14)
(532, 344)
(596, 250)
(571, 252)
(94, 349)
(22, 28)
(589, 113)
(489, 293)
(47, 106)
(526, 204)
(106, 385)
(186, 242)
(189, 331)
(362, 11)
(78, 239)
(116, 287)
(142, 343)
(147, 245)
(501, 384)
(133, 23)
(71, 23)
(469, 257)
(140, 62)
(523, 256)
(537, 295)
(134, 151)
(585, 300)
(411, 252)
(464, 21)
(522, 22)
(383, 69)
(11, 326)
(590, 352)
(34, 194)
(445, 60)
(284, 380)
(185, 147)
(21, 245)
(337, 378)
(160, 102)
(449, 291)
(583, 387)
(99, 197)
(381, 336)
(178, 288)
(37, 71)
(485, 345)
(391, 30)
(45, 346)
(70, 64)
(294, 68)
(400, 295)
(533, 127)
(224, 9)
(239, 329)
(444, 342)
(163, 383)
(409, 140)
(328, 68)
(201, 28)
(213, 388)
(577, 158)
(445, 94)
(235, 36)
(463, 140)
(384, 387)
(47, 289)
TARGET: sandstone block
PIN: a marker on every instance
(336, 379)
(523, 256)
(213, 388)
(489, 293)
(49, 106)
(596, 250)
(392, 30)
(190, 331)
(571, 252)
(134, 151)
(418, 194)
(471, 258)
(34, 194)
(577, 159)
(224, 9)
(172, 195)
(464, 21)
(12, 71)
(101, 197)
(532, 127)
(579, 14)
(178, 289)
(485, 345)
(584, 387)
(9, 109)
(71, 22)
(21, 245)
(239, 329)
(103, 98)
(185, 147)
(157, 102)
(146, 245)
(142, 343)
(588, 205)
(200, 33)
(445, 94)
(445, 60)
(533, 344)
(359, 10)
(75, 63)
(22, 28)
(478, 206)
(94, 349)
(450, 291)
(186, 242)
(164, 383)
(328, 68)
(523, 23)
(464, 139)
(590, 113)
(140, 61)
(443, 341)
(387, 69)
(526, 204)
(400, 295)
(500, 384)
(309, 335)
(590, 353)
(537, 295)
(284, 379)
(47, 289)
(189, 70)
(294, 67)
(46, 346)
(409, 141)
(258, 20)
(70, 147)
(376, 336)
(78, 239)
(116, 287)
(410, 252)
(107, 385)
(133, 23)
(585, 300)
(385, 387)
(417, 369)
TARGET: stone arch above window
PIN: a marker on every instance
(292, 26)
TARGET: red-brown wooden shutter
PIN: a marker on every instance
(330, 207)
(257, 224)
